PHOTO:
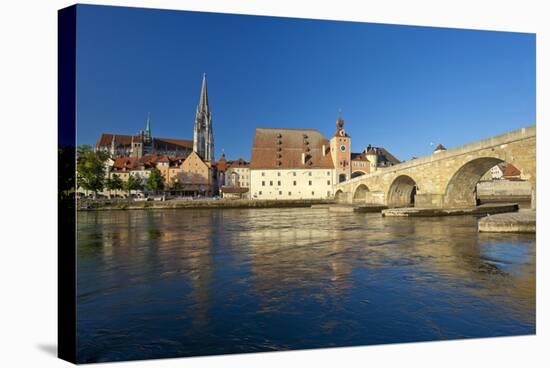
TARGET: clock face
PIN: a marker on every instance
(343, 148)
(342, 133)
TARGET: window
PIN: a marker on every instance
(278, 182)
(312, 193)
(278, 174)
(280, 192)
(328, 182)
(289, 193)
(309, 173)
(271, 183)
(294, 182)
(328, 173)
(263, 174)
(263, 183)
(260, 192)
(310, 182)
(294, 173)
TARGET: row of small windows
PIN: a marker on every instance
(294, 173)
(293, 183)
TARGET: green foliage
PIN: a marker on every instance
(176, 184)
(90, 168)
(122, 205)
(131, 184)
(114, 183)
(155, 182)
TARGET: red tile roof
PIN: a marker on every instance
(163, 158)
(180, 143)
(106, 139)
(283, 149)
(359, 156)
(240, 163)
(511, 171)
(124, 163)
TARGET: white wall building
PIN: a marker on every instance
(238, 174)
(292, 184)
(291, 164)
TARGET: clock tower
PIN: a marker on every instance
(340, 149)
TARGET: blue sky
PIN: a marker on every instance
(400, 87)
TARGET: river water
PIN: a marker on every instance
(165, 283)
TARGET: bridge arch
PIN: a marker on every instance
(402, 192)
(357, 173)
(340, 196)
(360, 194)
(461, 188)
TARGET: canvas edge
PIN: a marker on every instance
(66, 225)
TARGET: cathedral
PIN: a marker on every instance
(144, 143)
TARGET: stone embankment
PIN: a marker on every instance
(482, 210)
(524, 221)
(194, 204)
(366, 208)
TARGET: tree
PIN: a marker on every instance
(113, 183)
(108, 184)
(131, 184)
(176, 184)
(90, 169)
(116, 182)
(155, 181)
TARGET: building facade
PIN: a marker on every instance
(291, 164)
(193, 176)
(294, 183)
(238, 174)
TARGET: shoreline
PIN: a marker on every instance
(201, 204)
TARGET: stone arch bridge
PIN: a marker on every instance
(446, 179)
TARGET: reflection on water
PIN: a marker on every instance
(167, 283)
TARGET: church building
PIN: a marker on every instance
(141, 144)
(144, 143)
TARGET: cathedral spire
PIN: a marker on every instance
(148, 126)
(203, 103)
(203, 135)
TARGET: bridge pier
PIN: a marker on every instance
(428, 200)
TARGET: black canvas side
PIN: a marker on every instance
(66, 243)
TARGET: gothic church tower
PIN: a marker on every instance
(203, 135)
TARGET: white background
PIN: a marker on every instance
(28, 141)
